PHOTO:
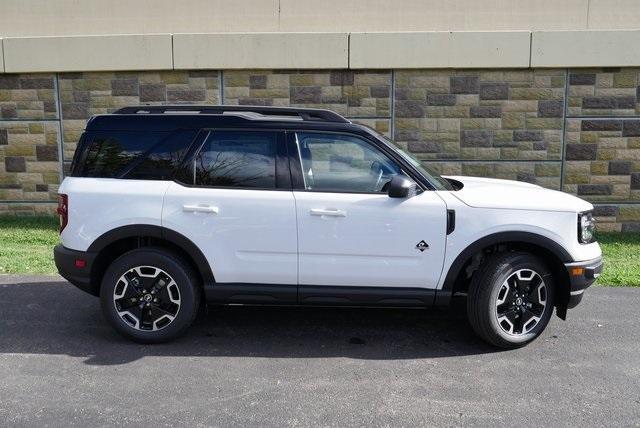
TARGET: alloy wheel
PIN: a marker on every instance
(146, 298)
(521, 302)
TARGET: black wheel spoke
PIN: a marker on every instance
(510, 315)
(527, 316)
(126, 303)
(131, 315)
(537, 309)
(504, 309)
(159, 311)
(144, 319)
(134, 283)
(161, 283)
(517, 324)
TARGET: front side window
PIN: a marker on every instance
(240, 159)
(344, 163)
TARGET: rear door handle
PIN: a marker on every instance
(200, 208)
(328, 212)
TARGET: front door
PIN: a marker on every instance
(350, 232)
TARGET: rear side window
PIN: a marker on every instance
(163, 159)
(237, 159)
(109, 154)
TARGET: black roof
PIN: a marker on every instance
(171, 117)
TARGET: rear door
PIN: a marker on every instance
(236, 205)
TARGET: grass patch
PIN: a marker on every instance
(621, 259)
(26, 246)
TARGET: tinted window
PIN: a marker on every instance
(237, 159)
(109, 154)
(343, 163)
(164, 159)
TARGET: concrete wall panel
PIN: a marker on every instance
(585, 48)
(439, 50)
(261, 50)
(95, 53)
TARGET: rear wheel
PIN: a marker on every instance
(150, 295)
(510, 299)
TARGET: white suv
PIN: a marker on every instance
(166, 206)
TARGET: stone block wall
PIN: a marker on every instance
(602, 159)
(572, 130)
(29, 143)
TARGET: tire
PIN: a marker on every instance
(169, 281)
(500, 294)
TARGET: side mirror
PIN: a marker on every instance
(401, 187)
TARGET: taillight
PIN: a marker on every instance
(63, 210)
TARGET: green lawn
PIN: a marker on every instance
(621, 259)
(26, 245)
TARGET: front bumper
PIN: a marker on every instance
(582, 275)
(75, 267)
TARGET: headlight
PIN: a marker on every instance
(586, 227)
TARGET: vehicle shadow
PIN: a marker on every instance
(56, 318)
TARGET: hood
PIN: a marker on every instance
(507, 194)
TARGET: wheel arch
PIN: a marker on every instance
(551, 252)
(116, 242)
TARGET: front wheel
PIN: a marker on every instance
(511, 299)
(150, 295)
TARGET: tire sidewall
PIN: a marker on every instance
(523, 261)
(171, 264)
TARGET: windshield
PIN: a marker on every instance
(434, 178)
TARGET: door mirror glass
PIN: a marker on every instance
(402, 187)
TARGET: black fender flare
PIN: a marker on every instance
(496, 238)
(148, 230)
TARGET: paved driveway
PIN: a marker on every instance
(61, 365)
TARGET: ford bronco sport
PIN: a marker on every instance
(168, 205)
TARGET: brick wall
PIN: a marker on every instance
(571, 130)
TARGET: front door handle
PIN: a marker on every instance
(200, 208)
(328, 212)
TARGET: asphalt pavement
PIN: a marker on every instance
(62, 365)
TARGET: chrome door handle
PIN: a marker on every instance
(200, 209)
(328, 212)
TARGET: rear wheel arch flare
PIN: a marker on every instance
(133, 236)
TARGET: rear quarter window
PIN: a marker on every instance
(140, 155)
(107, 154)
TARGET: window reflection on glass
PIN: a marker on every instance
(237, 159)
(108, 154)
(344, 163)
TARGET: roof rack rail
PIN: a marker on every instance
(307, 114)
